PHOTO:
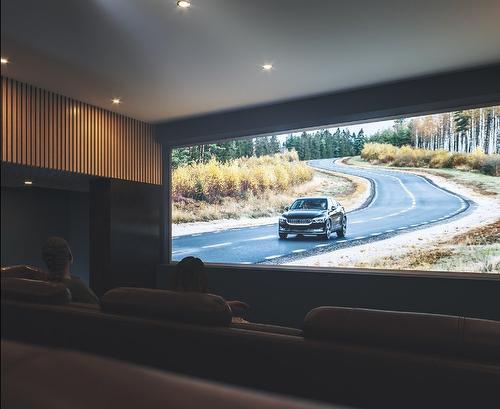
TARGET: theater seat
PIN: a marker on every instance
(56, 379)
(35, 291)
(194, 308)
(481, 337)
(23, 271)
(405, 331)
(350, 373)
(267, 328)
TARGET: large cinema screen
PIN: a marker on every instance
(417, 193)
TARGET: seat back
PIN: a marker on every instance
(354, 375)
(23, 271)
(196, 308)
(35, 291)
(421, 332)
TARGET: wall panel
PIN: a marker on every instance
(44, 129)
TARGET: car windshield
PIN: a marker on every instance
(309, 204)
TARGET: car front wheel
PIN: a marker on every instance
(328, 230)
(283, 236)
(343, 229)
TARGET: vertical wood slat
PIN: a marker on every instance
(44, 129)
(4, 118)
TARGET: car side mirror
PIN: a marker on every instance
(287, 208)
(333, 208)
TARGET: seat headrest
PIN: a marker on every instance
(35, 291)
(403, 330)
(195, 308)
(24, 271)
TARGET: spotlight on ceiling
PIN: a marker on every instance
(4, 60)
(28, 182)
(184, 4)
(267, 67)
(116, 101)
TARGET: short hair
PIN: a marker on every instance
(190, 275)
(56, 254)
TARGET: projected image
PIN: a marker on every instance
(418, 193)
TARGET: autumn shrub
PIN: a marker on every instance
(458, 160)
(404, 156)
(440, 159)
(381, 152)
(407, 156)
(476, 159)
(491, 165)
(238, 178)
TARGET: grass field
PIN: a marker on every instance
(482, 184)
(477, 251)
(267, 203)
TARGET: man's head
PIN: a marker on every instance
(57, 256)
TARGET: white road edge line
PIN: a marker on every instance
(271, 257)
(216, 245)
(262, 238)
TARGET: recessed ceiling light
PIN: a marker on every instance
(184, 4)
(116, 101)
(4, 60)
(28, 182)
(267, 67)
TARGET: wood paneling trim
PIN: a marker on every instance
(44, 129)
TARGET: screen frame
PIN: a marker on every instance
(191, 133)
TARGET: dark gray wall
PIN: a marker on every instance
(284, 295)
(124, 234)
(31, 214)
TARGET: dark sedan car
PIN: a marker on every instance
(320, 216)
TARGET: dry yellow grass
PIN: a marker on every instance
(407, 156)
(239, 178)
(267, 203)
(488, 234)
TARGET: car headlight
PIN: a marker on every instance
(319, 219)
(282, 219)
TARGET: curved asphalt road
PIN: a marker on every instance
(401, 202)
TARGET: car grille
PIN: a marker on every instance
(299, 221)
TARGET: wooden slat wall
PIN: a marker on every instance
(44, 129)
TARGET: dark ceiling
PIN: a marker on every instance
(168, 63)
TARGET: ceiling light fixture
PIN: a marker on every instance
(28, 182)
(4, 60)
(267, 67)
(184, 4)
(116, 101)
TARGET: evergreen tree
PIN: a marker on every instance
(261, 146)
(315, 146)
(274, 144)
(244, 148)
(359, 142)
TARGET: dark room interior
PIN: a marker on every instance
(250, 204)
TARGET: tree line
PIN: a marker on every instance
(325, 144)
(460, 131)
(316, 145)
